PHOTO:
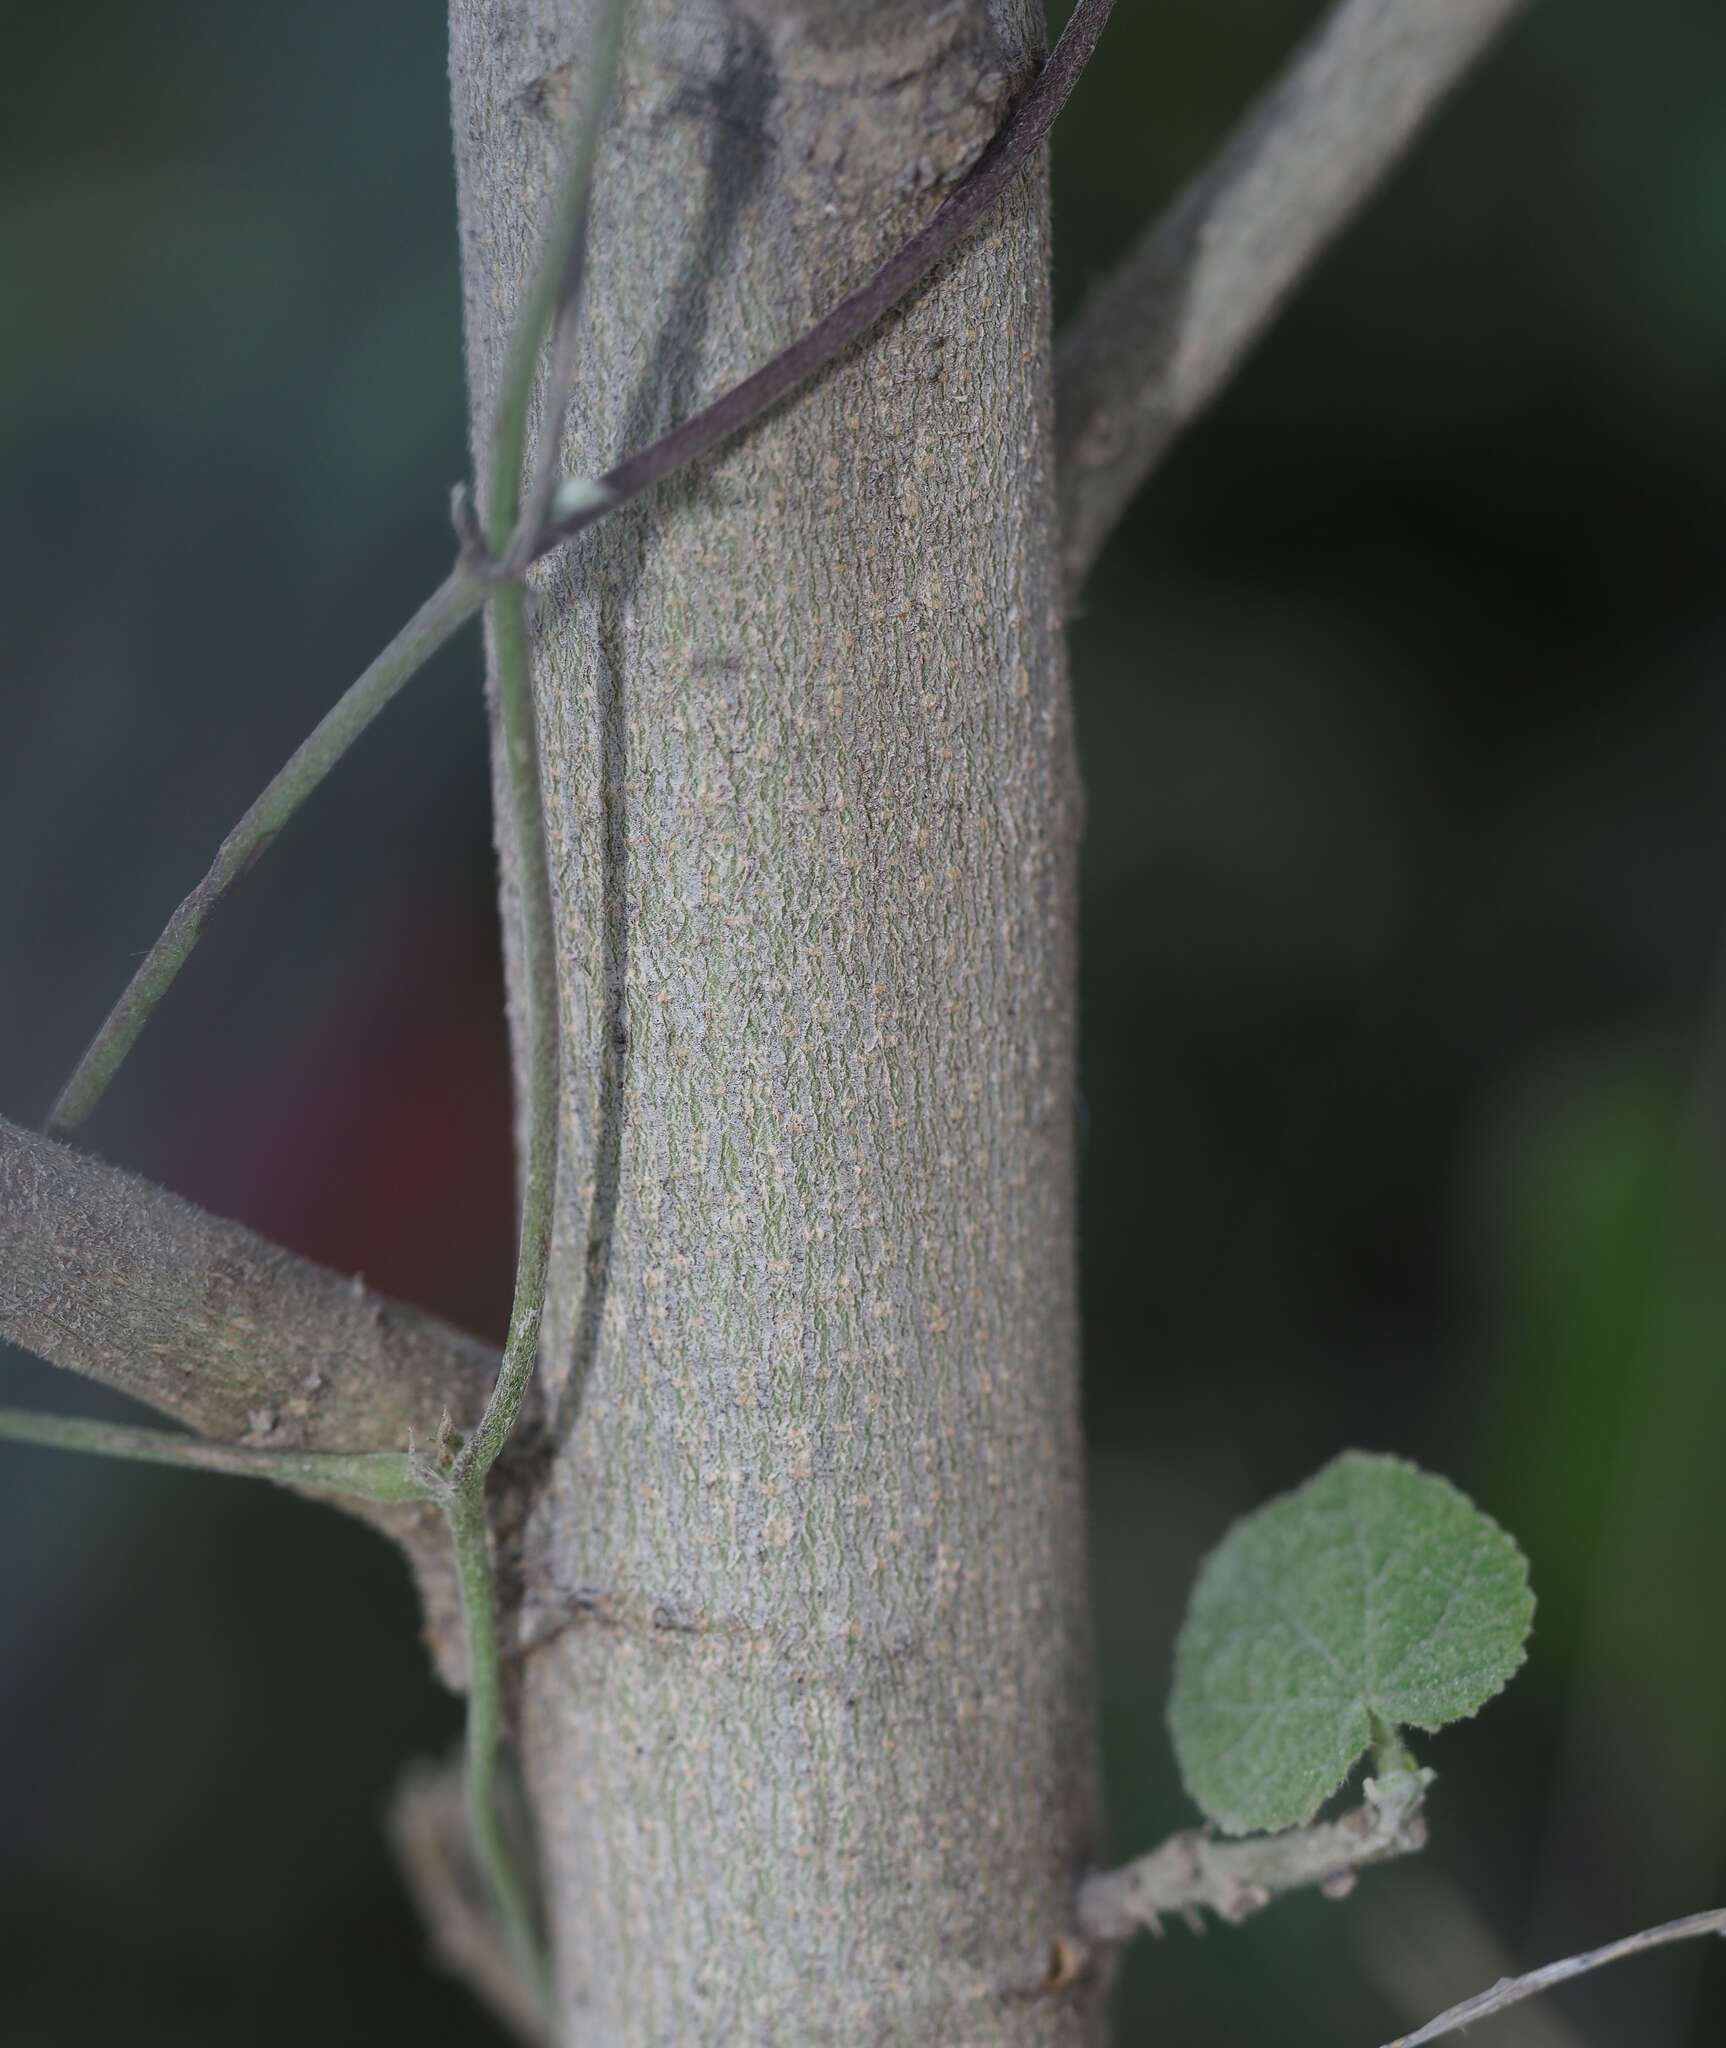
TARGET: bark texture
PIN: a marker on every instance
(113, 1277)
(109, 1275)
(805, 1702)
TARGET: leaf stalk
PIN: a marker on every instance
(365, 1475)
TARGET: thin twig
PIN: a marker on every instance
(1513, 1990)
(1012, 145)
(1160, 337)
(1197, 1869)
(1421, 1941)
(366, 1475)
(449, 607)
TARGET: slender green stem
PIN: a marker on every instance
(566, 248)
(511, 530)
(466, 1512)
(1390, 1754)
(369, 1475)
(539, 1006)
(450, 606)
(552, 296)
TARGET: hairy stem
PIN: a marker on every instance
(449, 607)
(1234, 1879)
(366, 1475)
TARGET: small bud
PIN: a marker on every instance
(578, 494)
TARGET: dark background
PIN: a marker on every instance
(1403, 704)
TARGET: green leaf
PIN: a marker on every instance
(1373, 1597)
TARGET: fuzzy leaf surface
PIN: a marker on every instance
(1374, 1597)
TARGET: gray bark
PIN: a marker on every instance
(805, 1709)
(113, 1277)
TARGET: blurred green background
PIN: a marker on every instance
(1402, 698)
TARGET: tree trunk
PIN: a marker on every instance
(805, 1710)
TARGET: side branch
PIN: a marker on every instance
(1159, 338)
(1195, 1869)
(113, 1277)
